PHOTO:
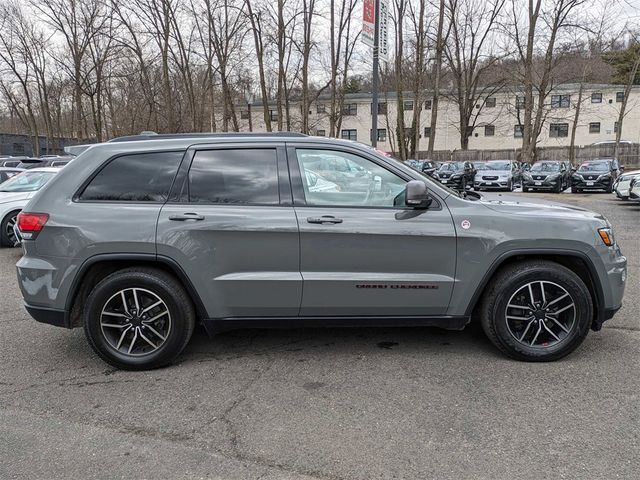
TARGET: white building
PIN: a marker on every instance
(497, 123)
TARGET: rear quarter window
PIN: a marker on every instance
(145, 177)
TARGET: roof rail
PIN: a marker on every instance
(160, 136)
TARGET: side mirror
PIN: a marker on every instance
(416, 194)
(621, 168)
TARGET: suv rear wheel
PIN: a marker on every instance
(536, 311)
(138, 319)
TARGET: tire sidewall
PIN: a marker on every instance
(583, 306)
(4, 239)
(110, 286)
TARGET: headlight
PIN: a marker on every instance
(606, 234)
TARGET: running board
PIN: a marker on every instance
(217, 325)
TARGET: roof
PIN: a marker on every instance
(164, 136)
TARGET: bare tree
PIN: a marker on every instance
(540, 32)
(469, 57)
(437, 74)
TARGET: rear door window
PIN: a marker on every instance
(145, 177)
(235, 176)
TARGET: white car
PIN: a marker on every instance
(621, 187)
(634, 189)
(15, 193)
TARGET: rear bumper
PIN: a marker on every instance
(50, 316)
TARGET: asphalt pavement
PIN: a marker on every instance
(415, 403)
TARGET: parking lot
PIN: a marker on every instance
(413, 403)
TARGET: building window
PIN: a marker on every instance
(407, 105)
(594, 127)
(489, 130)
(18, 149)
(518, 131)
(560, 101)
(273, 115)
(615, 127)
(559, 130)
(520, 102)
(382, 108)
(596, 97)
(321, 133)
(490, 102)
(350, 109)
(244, 114)
(382, 135)
(350, 134)
(427, 104)
(427, 132)
(619, 97)
(321, 108)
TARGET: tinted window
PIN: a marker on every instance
(234, 177)
(135, 178)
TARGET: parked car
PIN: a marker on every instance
(224, 231)
(623, 183)
(427, 167)
(547, 175)
(6, 173)
(496, 175)
(456, 175)
(607, 143)
(15, 193)
(634, 189)
(47, 161)
(598, 174)
(10, 161)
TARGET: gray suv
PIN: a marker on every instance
(139, 239)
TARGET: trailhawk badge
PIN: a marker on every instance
(466, 224)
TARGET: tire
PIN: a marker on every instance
(169, 333)
(7, 237)
(574, 190)
(559, 189)
(511, 285)
(525, 189)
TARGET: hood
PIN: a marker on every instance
(6, 197)
(494, 173)
(513, 205)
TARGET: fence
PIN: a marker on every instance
(629, 155)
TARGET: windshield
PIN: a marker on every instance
(545, 167)
(451, 167)
(498, 165)
(26, 182)
(480, 165)
(594, 167)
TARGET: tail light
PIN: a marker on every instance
(30, 224)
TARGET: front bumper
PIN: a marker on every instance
(491, 184)
(590, 184)
(542, 184)
(455, 183)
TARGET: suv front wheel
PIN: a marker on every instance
(536, 310)
(138, 318)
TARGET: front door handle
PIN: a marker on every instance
(324, 219)
(186, 216)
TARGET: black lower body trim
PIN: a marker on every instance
(214, 326)
(48, 315)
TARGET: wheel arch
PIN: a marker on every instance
(578, 262)
(96, 268)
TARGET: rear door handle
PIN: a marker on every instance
(324, 219)
(186, 216)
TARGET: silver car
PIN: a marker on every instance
(496, 175)
(142, 239)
